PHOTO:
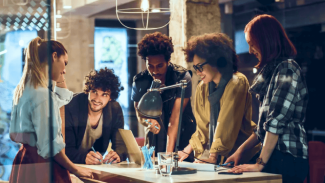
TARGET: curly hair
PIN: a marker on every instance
(105, 80)
(211, 47)
(155, 44)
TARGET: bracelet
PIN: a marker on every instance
(60, 82)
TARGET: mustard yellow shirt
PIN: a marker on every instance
(234, 123)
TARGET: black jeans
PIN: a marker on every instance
(292, 169)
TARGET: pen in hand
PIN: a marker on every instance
(109, 162)
(95, 152)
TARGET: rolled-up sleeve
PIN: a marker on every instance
(202, 116)
(40, 119)
(62, 96)
(232, 109)
(135, 96)
(281, 106)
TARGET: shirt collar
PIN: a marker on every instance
(262, 80)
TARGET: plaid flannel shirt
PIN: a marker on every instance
(282, 92)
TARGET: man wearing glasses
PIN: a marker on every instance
(222, 104)
(156, 49)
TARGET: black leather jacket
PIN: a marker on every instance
(174, 74)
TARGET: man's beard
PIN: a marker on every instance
(93, 110)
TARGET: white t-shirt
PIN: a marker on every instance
(91, 135)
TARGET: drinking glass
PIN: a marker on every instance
(165, 163)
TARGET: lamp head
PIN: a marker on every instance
(150, 105)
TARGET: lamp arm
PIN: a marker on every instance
(179, 127)
(182, 85)
(167, 87)
(180, 119)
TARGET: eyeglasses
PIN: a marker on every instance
(199, 67)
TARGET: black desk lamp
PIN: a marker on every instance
(150, 106)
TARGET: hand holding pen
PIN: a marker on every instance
(153, 126)
(112, 157)
(93, 158)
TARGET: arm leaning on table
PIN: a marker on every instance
(278, 115)
(173, 124)
(202, 116)
(270, 141)
(249, 144)
(172, 130)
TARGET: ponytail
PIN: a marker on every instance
(35, 68)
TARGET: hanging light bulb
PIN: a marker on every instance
(145, 5)
(144, 11)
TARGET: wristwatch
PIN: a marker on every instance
(260, 161)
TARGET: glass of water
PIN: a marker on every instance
(165, 163)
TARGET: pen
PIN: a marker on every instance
(109, 162)
(95, 152)
(225, 165)
(151, 124)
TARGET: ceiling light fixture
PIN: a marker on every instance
(143, 10)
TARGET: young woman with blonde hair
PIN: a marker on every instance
(30, 114)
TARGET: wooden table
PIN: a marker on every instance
(120, 173)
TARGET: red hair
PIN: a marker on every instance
(267, 33)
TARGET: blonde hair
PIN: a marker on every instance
(35, 68)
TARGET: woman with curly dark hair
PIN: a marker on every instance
(93, 118)
(222, 105)
(156, 49)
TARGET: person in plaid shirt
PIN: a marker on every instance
(282, 92)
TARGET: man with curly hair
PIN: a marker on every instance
(156, 49)
(92, 119)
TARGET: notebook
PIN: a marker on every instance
(202, 166)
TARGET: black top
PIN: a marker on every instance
(175, 73)
(76, 116)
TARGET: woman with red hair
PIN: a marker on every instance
(282, 92)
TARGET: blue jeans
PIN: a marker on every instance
(292, 169)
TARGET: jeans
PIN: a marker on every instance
(292, 169)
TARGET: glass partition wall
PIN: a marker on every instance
(20, 22)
